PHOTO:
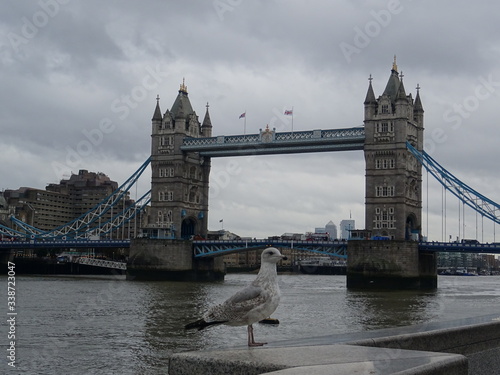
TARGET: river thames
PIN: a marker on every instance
(83, 326)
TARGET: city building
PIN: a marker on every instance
(4, 210)
(61, 203)
(345, 227)
(41, 209)
(331, 229)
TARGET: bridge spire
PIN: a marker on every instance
(394, 65)
(370, 95)
(157, 114)
(417, 106)
(206, 127)
(183, 88)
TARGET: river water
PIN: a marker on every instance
(80, 326)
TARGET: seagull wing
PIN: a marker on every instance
(246, 294)
(236, 308)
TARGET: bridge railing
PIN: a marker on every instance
(209, 248)
(103, 263)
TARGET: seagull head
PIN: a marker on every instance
(272, 255)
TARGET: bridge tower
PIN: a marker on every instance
(393, 195)
(179, 200)
(393, 176)
(179, 182)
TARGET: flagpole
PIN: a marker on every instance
(292, 119)
(245, 124)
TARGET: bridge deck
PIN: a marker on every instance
(215, 248)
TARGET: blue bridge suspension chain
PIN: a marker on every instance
(478, 202)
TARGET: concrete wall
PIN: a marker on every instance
(466, 347)
(389, 265)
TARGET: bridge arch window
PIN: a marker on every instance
(165, 218)
(384, 218)
(193, 173)
(385, 127)
(166, 142)
(385, 163)
(384, 191)
(166, 196)
(166, 172)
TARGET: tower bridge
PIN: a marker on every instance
(182, 147)
(181, 152)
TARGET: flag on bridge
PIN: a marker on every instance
(243, 115)
(289, 112)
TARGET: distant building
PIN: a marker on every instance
(61, 203)
(345, 227)
(330, 228)
(293, 236)
(4, 210)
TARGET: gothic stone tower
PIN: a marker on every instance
(393, 176)
(179, 183)
(179, 201)
(393, 202)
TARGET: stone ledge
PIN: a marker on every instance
(317, 360)
(432, 348)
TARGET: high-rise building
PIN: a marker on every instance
(345, 227)
(331, 229)
(61, 203)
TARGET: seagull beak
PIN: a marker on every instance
(284, 257)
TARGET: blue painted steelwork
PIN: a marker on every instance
(63, 244)
(89, 223)
(478, 202)
(269, 142)
(207, 248)
(457, 247)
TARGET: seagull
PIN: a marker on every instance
(255, 302)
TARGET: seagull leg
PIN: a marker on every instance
(251, 340)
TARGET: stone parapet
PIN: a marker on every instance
(467, 346)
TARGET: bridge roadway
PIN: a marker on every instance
(337, 248)
(210, 248)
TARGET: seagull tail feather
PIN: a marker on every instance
(201, 324)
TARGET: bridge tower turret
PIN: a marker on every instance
(393, 176)
(179, 182)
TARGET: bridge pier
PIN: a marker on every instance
(373, 264)
(170, 260)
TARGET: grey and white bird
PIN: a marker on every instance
(255, 302)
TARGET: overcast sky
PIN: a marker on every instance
(79, 81)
